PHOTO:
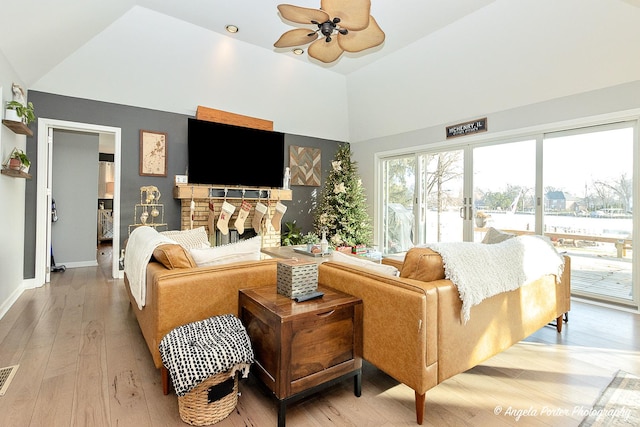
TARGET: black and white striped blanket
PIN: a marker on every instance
(194, 352)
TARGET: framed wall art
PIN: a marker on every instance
(305, 163)
(153, 153)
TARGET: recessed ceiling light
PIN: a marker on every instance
(232, 28)
(298, 51)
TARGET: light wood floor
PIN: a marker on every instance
(83, 362)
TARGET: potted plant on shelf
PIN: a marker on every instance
(18, 160)
(18, 112)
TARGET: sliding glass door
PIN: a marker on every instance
(421, 199)
(576, 187)
(398, 195)
(440, 196)
(588, 207)
(504, 179)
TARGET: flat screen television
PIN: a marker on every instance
(221, 154)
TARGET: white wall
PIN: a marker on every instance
(503, 56)
(201, 67)
(12, 199)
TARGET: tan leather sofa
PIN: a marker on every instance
(178, 292)
(412, 326)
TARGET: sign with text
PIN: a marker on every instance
(466, 128)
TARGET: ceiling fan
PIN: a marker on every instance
(344, 26)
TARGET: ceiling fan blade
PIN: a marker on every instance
(302, 15)
(353, 14)
(355, 41)
(325, 51)
(296, 37)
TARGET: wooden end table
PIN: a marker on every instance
(303, 347)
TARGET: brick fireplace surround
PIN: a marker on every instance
(270, 238)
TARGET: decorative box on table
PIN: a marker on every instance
(296, 278)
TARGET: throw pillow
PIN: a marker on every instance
(496, 236)
(245, 250)
(189, 239)
(422, 264)
(173, 256)
(364, 263)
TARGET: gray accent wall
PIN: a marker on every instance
(306, 198)
(131, 120)
(75, 190)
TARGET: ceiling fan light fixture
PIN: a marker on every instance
(232, 28)
(341, 27)
(298, 51)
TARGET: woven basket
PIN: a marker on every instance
(195, 408)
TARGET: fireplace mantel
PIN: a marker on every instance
(200, 191)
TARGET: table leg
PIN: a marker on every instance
(282, 413)
(357, 384)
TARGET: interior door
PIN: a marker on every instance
(48, 185)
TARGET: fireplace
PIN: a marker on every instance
(202, 195)
(232, 237)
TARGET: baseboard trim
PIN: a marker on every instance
(8, 303)
(78, 264)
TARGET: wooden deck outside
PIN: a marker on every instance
(595, 275)
(600, 266)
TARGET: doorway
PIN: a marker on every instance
(45, 184)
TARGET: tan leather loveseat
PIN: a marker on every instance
(178, 292)
(412, 327)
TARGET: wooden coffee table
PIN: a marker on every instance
(303, 347)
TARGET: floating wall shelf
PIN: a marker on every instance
(18, 127)
(15, 174)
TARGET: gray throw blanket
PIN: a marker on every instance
(194, 352)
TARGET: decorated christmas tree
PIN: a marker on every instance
(342, 211)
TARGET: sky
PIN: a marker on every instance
(570, 162)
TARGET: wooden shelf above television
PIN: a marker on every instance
(17, 127)
(15, 173)
(219, 116)
(200, 191)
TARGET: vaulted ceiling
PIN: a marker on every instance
(506, 52)
(36, 36)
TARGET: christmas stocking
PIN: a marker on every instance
(245, 208)
(258, 214)
(225, 215)
(277, 218)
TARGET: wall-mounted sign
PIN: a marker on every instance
(466, 128)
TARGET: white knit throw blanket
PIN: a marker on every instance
(481, 270)
(140, 246)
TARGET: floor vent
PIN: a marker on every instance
(6, 375)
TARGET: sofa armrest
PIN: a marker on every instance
(180, 296)
(396, 262)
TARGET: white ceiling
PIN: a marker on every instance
(442, 60)
(35, 35)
